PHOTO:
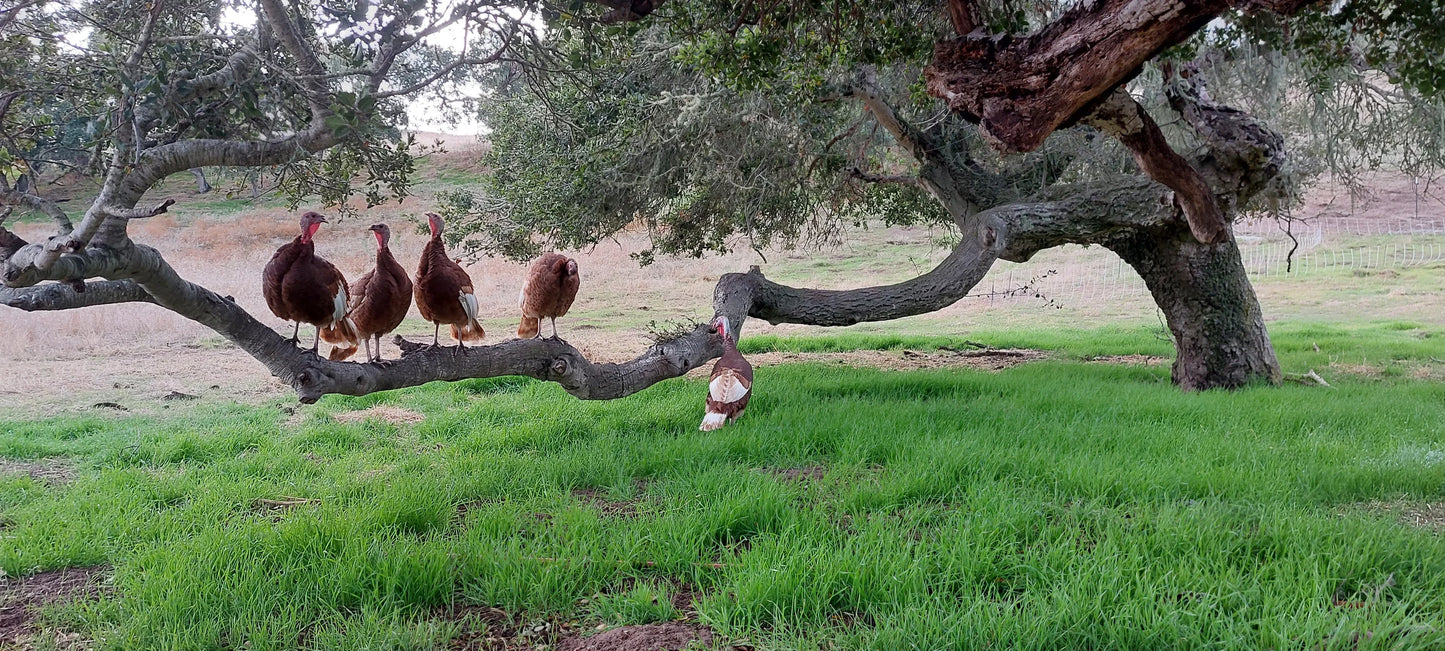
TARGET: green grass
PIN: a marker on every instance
(1058, 504)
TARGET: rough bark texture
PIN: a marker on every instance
(1020, 90)
(1211, 309)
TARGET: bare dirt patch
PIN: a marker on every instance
(1143, 360)
(1426, 515)
(598, 499)
(669, 636)
(51, 472)
(806, 473)
(385, 413)
(20, 598)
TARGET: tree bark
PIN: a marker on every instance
(1210, 307)
(202, 186)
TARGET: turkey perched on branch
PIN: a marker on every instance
(551, 287)
(731, 384)
(444, 290)
(300, 286)
(380, 299)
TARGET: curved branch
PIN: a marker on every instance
(41, 204)
(1243, 154)
(62, 296)
(739, 296)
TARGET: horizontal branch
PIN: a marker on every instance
(62, 296)
(742, 295)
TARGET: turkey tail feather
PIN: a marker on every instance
(338, 353)
(342, 332)
(712, 420)
(470, 332)
(529, 327)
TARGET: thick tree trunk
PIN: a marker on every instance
(1210, 306)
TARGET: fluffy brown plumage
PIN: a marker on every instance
(730, 386)
(379, 299)
(551, 287)
(444, 292)
(300, 286)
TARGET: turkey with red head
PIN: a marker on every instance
(549, 291)
(731, 384)
(444, 293)
(300, 286)
(379, 300)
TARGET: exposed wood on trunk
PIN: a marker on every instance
(964, 14)
(1123, 118)
(1021, 89)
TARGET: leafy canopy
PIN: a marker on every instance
(715, 127)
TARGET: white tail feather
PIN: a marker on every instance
(712, 421)
(338, 308)
(469, 304)
(727, 387)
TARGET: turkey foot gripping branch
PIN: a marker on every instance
(444, 293)
(379, 299)
(300, 286)
(551, 287)
(731, 384)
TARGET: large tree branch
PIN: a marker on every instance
(1122, 117)
(63, 296)
(1020, 90)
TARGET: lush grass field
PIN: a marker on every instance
(1058, 504)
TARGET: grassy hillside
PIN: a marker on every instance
(1061, 503)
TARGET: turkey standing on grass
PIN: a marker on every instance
(731, 384)
(300, 286)
(549, 291)
(444, 291)
(380, 299)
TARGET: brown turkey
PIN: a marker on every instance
(379, 299)
(444, 290)
(551, 287)
(300, 286)
(731, 384)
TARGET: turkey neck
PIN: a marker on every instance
(384, 258)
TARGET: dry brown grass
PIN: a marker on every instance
(384, 413)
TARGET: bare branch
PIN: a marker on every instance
(1020, 90)
(449, 69)
(41, 204)
(63, 296)
(965, 16)
(140, 213)
(313, 83)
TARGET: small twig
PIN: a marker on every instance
(140, 213)
(1309, 379)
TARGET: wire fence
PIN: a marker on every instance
(1329, 243)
